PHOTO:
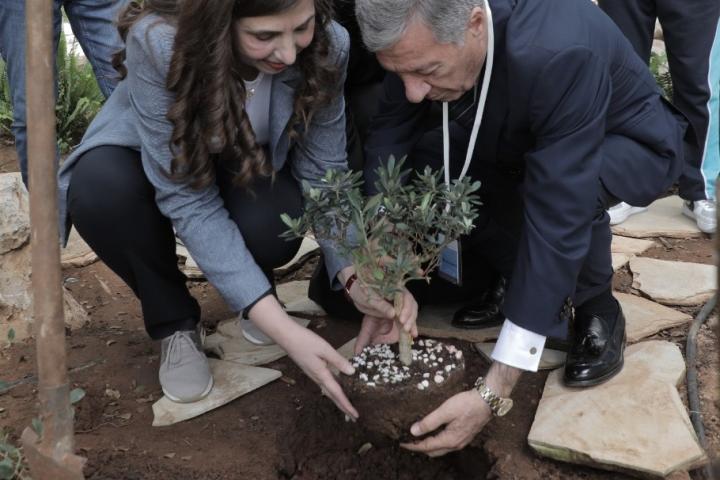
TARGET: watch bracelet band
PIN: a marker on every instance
(490, 397)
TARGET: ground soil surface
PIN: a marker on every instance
(285, 430)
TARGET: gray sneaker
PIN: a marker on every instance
(185, 374)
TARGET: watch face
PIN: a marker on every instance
(504, 406)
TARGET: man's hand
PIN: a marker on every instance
(463, 415)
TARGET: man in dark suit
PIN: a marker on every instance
(573, 124)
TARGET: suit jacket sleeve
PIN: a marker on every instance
(567, 109)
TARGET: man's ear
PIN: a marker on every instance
(476, 24)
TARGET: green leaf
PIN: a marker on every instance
(7, 468)
(6, 448)
(378, 274)
(37, 426)
(11, 335)
(76, 395)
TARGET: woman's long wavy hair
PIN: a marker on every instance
(208, 115)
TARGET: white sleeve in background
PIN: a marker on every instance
(518, 347)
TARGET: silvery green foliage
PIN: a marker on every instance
(398, 233)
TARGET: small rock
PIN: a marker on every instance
(114, 394)
(364, 449)
(169, 455)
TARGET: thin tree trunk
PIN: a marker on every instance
(405, 341)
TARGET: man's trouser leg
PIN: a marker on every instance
(12, 48)
(93, 24)
(690, 30)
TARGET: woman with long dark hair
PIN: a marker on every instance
(224, 107)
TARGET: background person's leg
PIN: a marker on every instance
(12, 49)
(636, 19)
(93, 23)
(112, 205)
(690, 30)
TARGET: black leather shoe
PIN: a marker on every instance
(597, 351)
(483, 313)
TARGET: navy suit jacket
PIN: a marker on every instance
(573, 107)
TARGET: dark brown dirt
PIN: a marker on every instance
(285, 430)
(8, 157)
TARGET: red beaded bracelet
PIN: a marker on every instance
(349, 283)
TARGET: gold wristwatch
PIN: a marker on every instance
(498, 405)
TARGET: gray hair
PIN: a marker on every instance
(383, 22)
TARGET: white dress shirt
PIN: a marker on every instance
(518, 347)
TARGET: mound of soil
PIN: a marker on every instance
(390, 397)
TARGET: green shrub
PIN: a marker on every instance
(78, 97)
(12, 462)
(6, 117)
(659, 69)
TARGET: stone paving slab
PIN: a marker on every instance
(550, 360)
(294, 295)
(190, 268)
(347, 350)
(230, 345)
(663, 218)
(619, 260)
(434, 321)
(308, 245)
(635, 422)
(77, 253)
(645, 318)
(632, 246)
(674, 283)
(232, 381)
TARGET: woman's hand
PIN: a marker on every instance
(372, 304)
(376, 330)
(311, 353)
(314, 355)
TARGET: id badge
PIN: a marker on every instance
(450, 264)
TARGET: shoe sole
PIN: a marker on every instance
(463, 326)
(256, 341)
(193, 400)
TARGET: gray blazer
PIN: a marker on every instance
(135, 116)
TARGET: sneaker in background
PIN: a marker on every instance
(620, 212)
(703, 212)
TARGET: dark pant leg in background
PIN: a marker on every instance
(689, 30)
(112, 205)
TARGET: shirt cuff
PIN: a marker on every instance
(518, 347)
